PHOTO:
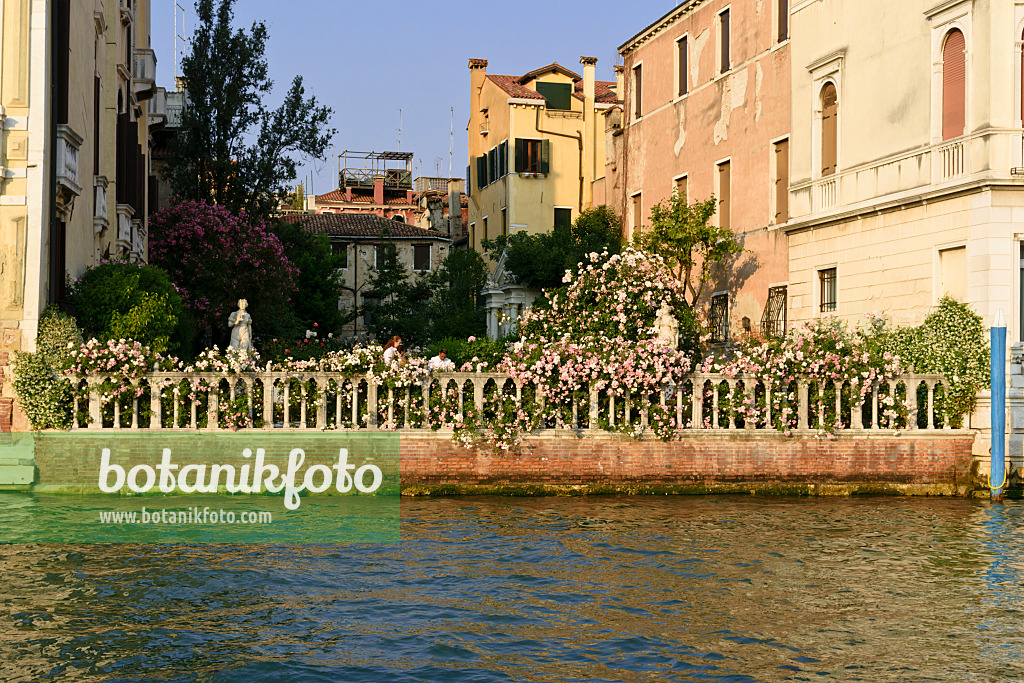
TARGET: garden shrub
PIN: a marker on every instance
(43, 393)
(132, 301)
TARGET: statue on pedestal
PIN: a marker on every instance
(240, 323)
(666, 326)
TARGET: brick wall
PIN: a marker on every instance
(919, 458)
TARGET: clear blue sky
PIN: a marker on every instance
(366, 60)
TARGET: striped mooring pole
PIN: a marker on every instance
(998, 380)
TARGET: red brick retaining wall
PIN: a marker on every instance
(932, 457)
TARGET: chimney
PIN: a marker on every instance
(454, 208)
(620, 81)
(589, 128)
(477, 75)
(378, 190)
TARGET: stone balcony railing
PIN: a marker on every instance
(68, 181)
(322, 400)
(144, 73)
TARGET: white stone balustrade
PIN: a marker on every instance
(322, 400)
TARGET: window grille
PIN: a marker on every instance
(720, 318)
(773, 322)
(827, 286)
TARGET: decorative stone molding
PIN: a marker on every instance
(68, 183)
(100, 221)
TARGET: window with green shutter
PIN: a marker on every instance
(563, 219)
(481, 171)
(492, 165)
(503, 159)
(533, 156)
(556, 95)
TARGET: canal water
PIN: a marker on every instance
(546, 589)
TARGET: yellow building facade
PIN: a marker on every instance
(534, 146)
(77, 80)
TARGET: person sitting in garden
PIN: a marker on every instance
(441, 362)
(391, 349)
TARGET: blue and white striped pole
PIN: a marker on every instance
(997, 478)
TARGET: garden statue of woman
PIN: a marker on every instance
(240, 323)
(667, 327)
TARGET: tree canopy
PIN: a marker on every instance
(232, 149)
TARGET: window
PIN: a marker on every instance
(781, 181)
(953, 273)
(533, 156)
(725, 195)
(829, 129)
(638, 216)
(563, 219)
(638, 91)
(681, 188)
(484, 228)
(719, 318)
(723, 40)
(504, 221)
(340, 249)
(481, 171)
(469, 184)
(556, 95)
(827, 289)
(492, 165)
(954, 77)
(378, 255)
(398, 218)
(773, 322)
(421, 257)
(783, 20)
(370, 303)
(472, 234)
(683, 61)
(503, 159)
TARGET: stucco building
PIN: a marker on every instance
(357, 236)
(533, 147)
(377, 183)
(76, 89)
(707, 112)
(907, 175)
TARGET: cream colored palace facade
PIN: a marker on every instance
(79, 100)
(907, 180)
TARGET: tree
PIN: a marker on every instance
(319, 284)
(540, 261)
(399, 301)
(680, 233)
(455, 309)
(226, 78)
(216, 258)
(132, 301)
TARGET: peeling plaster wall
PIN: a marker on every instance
(734, 116)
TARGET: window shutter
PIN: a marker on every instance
(783, 20)
(545, 156)
(503, 159)
(724, 17)
(782, 181)
(492, 165)
(954, 78)
(725, 198)
(469, 183)
(481, 171)
(684, 66)
(520, 155)
(829, 129)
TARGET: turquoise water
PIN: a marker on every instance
(555, 589)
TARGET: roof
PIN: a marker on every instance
(553, 66)
(365, 196)
(656, 27)
(360, 225)
(604, 91)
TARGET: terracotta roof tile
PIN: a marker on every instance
(364, 196)
(604, 91)
(511, 85)
(359, 225)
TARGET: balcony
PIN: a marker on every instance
(100, 221)
(144, 74)
(158, 109)
(175, 106)
(127, 12)
(68, 184)
(124, 227)
(138, 241)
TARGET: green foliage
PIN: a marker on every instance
(681, 234)
(131, 301)
(232, 149)
(455, 308)
(952, 341)
(540, 261)
(319, 283)
(400, 300)
(43, 393)
(461, 351)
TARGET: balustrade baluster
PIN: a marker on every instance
(408, 400)
(135, 404)
(679, 407)
(910, 385)
(287, 403)
(321, 401)
(838, 386)
(117, 410)
(714, 404)
(74, 411)
(391, 408)
(250, 389)
(175, 407)
(874, 406)
(931, 403)
(732, 403)
(371, 404)
(593, 410)
(803, 404)
(628, 416)
(768, 392)
(611, 409)
(857, 398)
(749, 392)
(156, 395)
(95, 409)
(303, 403)
(575, 412)
(478, 395)
(821, 403)
(213, 415)
(338, 391)
(355, 403)
(268, 401)
(697, 420)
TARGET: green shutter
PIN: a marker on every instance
(481, 171)
(469, 182)
(503, 159)
(545, 156)
(556, 95)
(520, 155)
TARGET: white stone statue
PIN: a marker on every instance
(240, 323)
(667, 327)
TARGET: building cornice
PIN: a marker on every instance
(658, 26)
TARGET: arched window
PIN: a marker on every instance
(829, 129)
(398, 217)
(954, 79)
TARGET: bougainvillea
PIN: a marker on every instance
(216, 258)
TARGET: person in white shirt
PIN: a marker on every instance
(391, 349)
(441, 363)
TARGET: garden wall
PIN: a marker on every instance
(920, 462)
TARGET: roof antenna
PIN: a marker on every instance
(451, 143)
(399, 130)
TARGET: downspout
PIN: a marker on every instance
(579, 138)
